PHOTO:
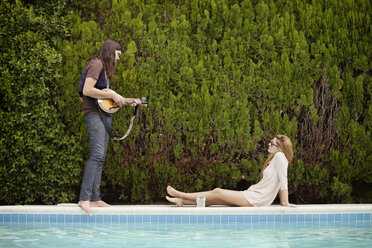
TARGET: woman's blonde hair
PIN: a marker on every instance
(285, 146)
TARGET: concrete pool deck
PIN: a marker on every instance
(73, 209)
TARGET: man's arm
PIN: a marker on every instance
(91, 91)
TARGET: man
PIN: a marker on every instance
(95, 83)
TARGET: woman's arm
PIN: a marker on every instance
(281, 165)
(283, 195)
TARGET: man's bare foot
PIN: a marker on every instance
(172, 192)
(177, 201)
(99, 204)
(85, 206)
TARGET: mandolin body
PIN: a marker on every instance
(108, 105)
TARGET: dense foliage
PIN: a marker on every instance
(222, 76)
(39, 158)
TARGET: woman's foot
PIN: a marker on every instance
(85, 206)
(172, 192)
(99, 204)
(177, 201)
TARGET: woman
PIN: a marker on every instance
(274, 179)
(95, 83)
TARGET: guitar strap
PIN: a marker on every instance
(109, 129)
(105, 123)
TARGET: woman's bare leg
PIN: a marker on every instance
(216, 196)
(180, 202)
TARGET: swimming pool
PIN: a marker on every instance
(165, 226)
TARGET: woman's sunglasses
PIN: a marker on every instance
(272, 143)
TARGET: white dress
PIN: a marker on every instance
(274, 178)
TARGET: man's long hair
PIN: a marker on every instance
(285, 145)
(107, 55)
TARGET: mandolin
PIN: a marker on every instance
(109, 106)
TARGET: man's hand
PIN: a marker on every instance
(118, 99)
(132, 101)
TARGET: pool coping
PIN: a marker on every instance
(72, 208)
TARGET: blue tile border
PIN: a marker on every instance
(187, 219)
(208, 219)
(114, 219)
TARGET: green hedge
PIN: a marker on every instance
(222, 77)
(39, 158)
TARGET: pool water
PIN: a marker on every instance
(338, 234)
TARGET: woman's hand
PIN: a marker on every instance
(283, 195)
(289, 205)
